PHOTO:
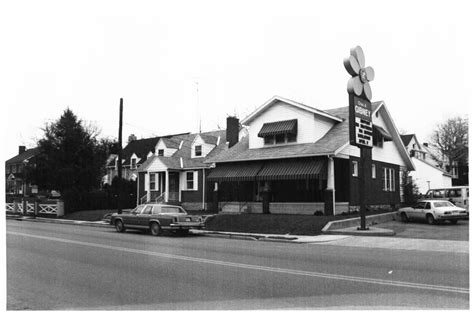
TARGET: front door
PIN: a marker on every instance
(174, 186)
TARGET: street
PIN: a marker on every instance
(63, 267)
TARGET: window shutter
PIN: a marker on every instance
(182, 180)
(147, 182)
(195, 179)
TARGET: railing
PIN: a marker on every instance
(42, 209)
(160, 198)
(48, 209)
(144, 199)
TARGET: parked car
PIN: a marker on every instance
(156, 218)
(433, 211)
(459, 195)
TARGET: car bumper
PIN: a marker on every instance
(448, 217)
(185, 225)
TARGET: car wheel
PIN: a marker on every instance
(453, 221)
(155, 229)
(404, 217)
(119, 226)
(430, 219)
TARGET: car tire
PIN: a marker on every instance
(430, 219)
(404, 217)
(453, 221)
(119, 227)
(155, 229)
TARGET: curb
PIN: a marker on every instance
(354, 222)
(64, 221)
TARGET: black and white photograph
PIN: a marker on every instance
(236, 156)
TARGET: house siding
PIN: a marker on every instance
(311, 127)
(424, 173)
(193, 196)
(375, 194)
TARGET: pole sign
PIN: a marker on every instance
(360, 122)
(360, 107)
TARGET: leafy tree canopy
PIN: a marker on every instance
(71, 157)
(451, 137)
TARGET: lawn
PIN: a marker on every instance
(246, 223)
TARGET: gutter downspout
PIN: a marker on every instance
(203, 188)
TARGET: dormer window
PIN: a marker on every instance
(281, 132)
(133, 163)
(161, 152)
(198, 150)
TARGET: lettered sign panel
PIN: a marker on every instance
(360, 121)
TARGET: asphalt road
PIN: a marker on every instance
(421, 229)
(64, 267)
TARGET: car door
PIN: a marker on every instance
(418, 210)
(144, 217)
(130, 218)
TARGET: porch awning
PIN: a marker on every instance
(293, 169)
(280, 127)
(383, 132)
(235, 172)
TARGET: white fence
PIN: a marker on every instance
(42, 209)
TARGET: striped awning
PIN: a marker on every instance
(235, 172)
(293, 169)
(383, 132)
(280, 127)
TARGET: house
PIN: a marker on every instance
(134, 155)
(176, 172)
(297, 159)
(429, 172)
(15, 169)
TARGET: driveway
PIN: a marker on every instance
(444, 231)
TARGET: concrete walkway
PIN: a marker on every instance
(353, 238)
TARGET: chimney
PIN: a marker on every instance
(132, 137)
(425, 144)
(232, 132)
(21, 149)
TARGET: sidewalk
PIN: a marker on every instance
(366, 239)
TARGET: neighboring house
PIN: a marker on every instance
(458, 171)
(15, 172)
(429, 172)
(134, 155)
(297, 160)
(177, 171)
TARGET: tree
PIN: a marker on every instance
(71, 158)
(451, 137)
(411, 192)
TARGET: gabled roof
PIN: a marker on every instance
(434, 167)
(181, 159)
(331, 143)
(27, 154)
(276, 99)
(141, 148)
(407, 138)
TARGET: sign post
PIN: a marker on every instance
(360, 120)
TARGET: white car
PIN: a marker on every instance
(433, 211)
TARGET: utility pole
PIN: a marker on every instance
(119, 162)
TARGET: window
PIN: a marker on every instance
(374, 170)
(389, 179)
(291, 138)
(153, 181)
(428, 206)
(147, 210)
(268, 140)
(198, 150)
(133, 163)
(437, 194)
(189, 180)
(161, 152)
(454, 193)
(355, 168)
(279, 139)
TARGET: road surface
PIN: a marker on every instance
(66, 267)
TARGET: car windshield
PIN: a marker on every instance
(138, 209)
(442, 204)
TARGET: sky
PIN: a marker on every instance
(178, 63)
